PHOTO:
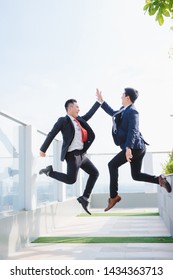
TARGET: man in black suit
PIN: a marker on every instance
(126, 134)
(77, 138)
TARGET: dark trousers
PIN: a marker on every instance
(136, 165)
(76, 160)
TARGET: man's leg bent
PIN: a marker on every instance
(136, 166)
(139, 176)
(90, 169)
(73, 164)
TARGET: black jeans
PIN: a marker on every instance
(136, 165)
(75, 160)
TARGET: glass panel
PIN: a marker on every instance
(70, 190)
(46, 186)
(9, 166)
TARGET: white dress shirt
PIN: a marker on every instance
(77, 143)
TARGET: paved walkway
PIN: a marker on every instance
(105, 226)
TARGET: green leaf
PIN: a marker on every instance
(145, 8)
(152, 10)
(160, 18)
(148, 1)
(170, 4)
(166, 13)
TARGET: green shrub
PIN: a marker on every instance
(168, 166)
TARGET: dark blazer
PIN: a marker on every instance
(65, 125)
(128, 134)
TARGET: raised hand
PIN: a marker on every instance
(99, 95)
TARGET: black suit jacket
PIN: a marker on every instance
(128, 134)
(65, 125)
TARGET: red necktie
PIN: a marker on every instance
(83, 130)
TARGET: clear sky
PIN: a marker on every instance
(53, 50)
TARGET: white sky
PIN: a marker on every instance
(53, 50)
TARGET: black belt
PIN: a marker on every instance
(76, 152)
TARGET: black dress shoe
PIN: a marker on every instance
(84, 203)
(164, 183)
(46, 170)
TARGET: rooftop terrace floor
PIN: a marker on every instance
(90, 226)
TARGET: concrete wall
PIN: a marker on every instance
(128, 200)
(165, 202)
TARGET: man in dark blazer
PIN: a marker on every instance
(77, 138)
(126, 134)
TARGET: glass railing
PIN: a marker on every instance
(11, 183)
(48, 189)
(21, 186)
(45, 186)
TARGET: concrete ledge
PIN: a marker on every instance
(135, 200)
(165, 202)
(21, 228)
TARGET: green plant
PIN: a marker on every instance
(168, 166)
(160, 8)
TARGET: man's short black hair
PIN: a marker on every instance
(132, 93)
(68, 102)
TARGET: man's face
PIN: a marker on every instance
(73, 110)
(125, 100)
